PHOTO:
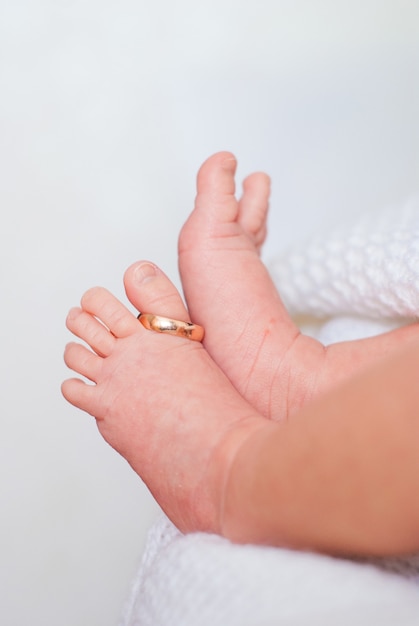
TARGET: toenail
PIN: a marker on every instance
(229, 163)
(144, 272)
(73, 313)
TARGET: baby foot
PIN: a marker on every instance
(229, 291)
(159, 400)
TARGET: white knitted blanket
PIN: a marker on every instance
(348, 284)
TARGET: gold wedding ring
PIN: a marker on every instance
(171, 327)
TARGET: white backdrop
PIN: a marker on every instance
(107, 108)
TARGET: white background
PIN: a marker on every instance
(107, 109)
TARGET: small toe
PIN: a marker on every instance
(151, 291)
(90, 330)
(110, 311)
(254, 205)
(81, 395)
(82, 361)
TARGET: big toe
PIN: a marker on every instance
(215, 201)
(216, 187)
(214, 220)
(151, 291)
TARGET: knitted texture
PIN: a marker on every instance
(204, 579)
(363, 280)
(371, 269)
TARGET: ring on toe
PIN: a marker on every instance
(171, 327)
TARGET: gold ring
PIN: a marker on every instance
(172, 327)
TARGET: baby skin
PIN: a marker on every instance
(191, 418)
(159, 400)
(229, 291)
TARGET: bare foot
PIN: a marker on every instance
(154, 395)
(229, 291)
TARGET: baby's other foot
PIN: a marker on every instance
(229, 291)
(159, 400)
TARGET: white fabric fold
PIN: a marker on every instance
(370, 269)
